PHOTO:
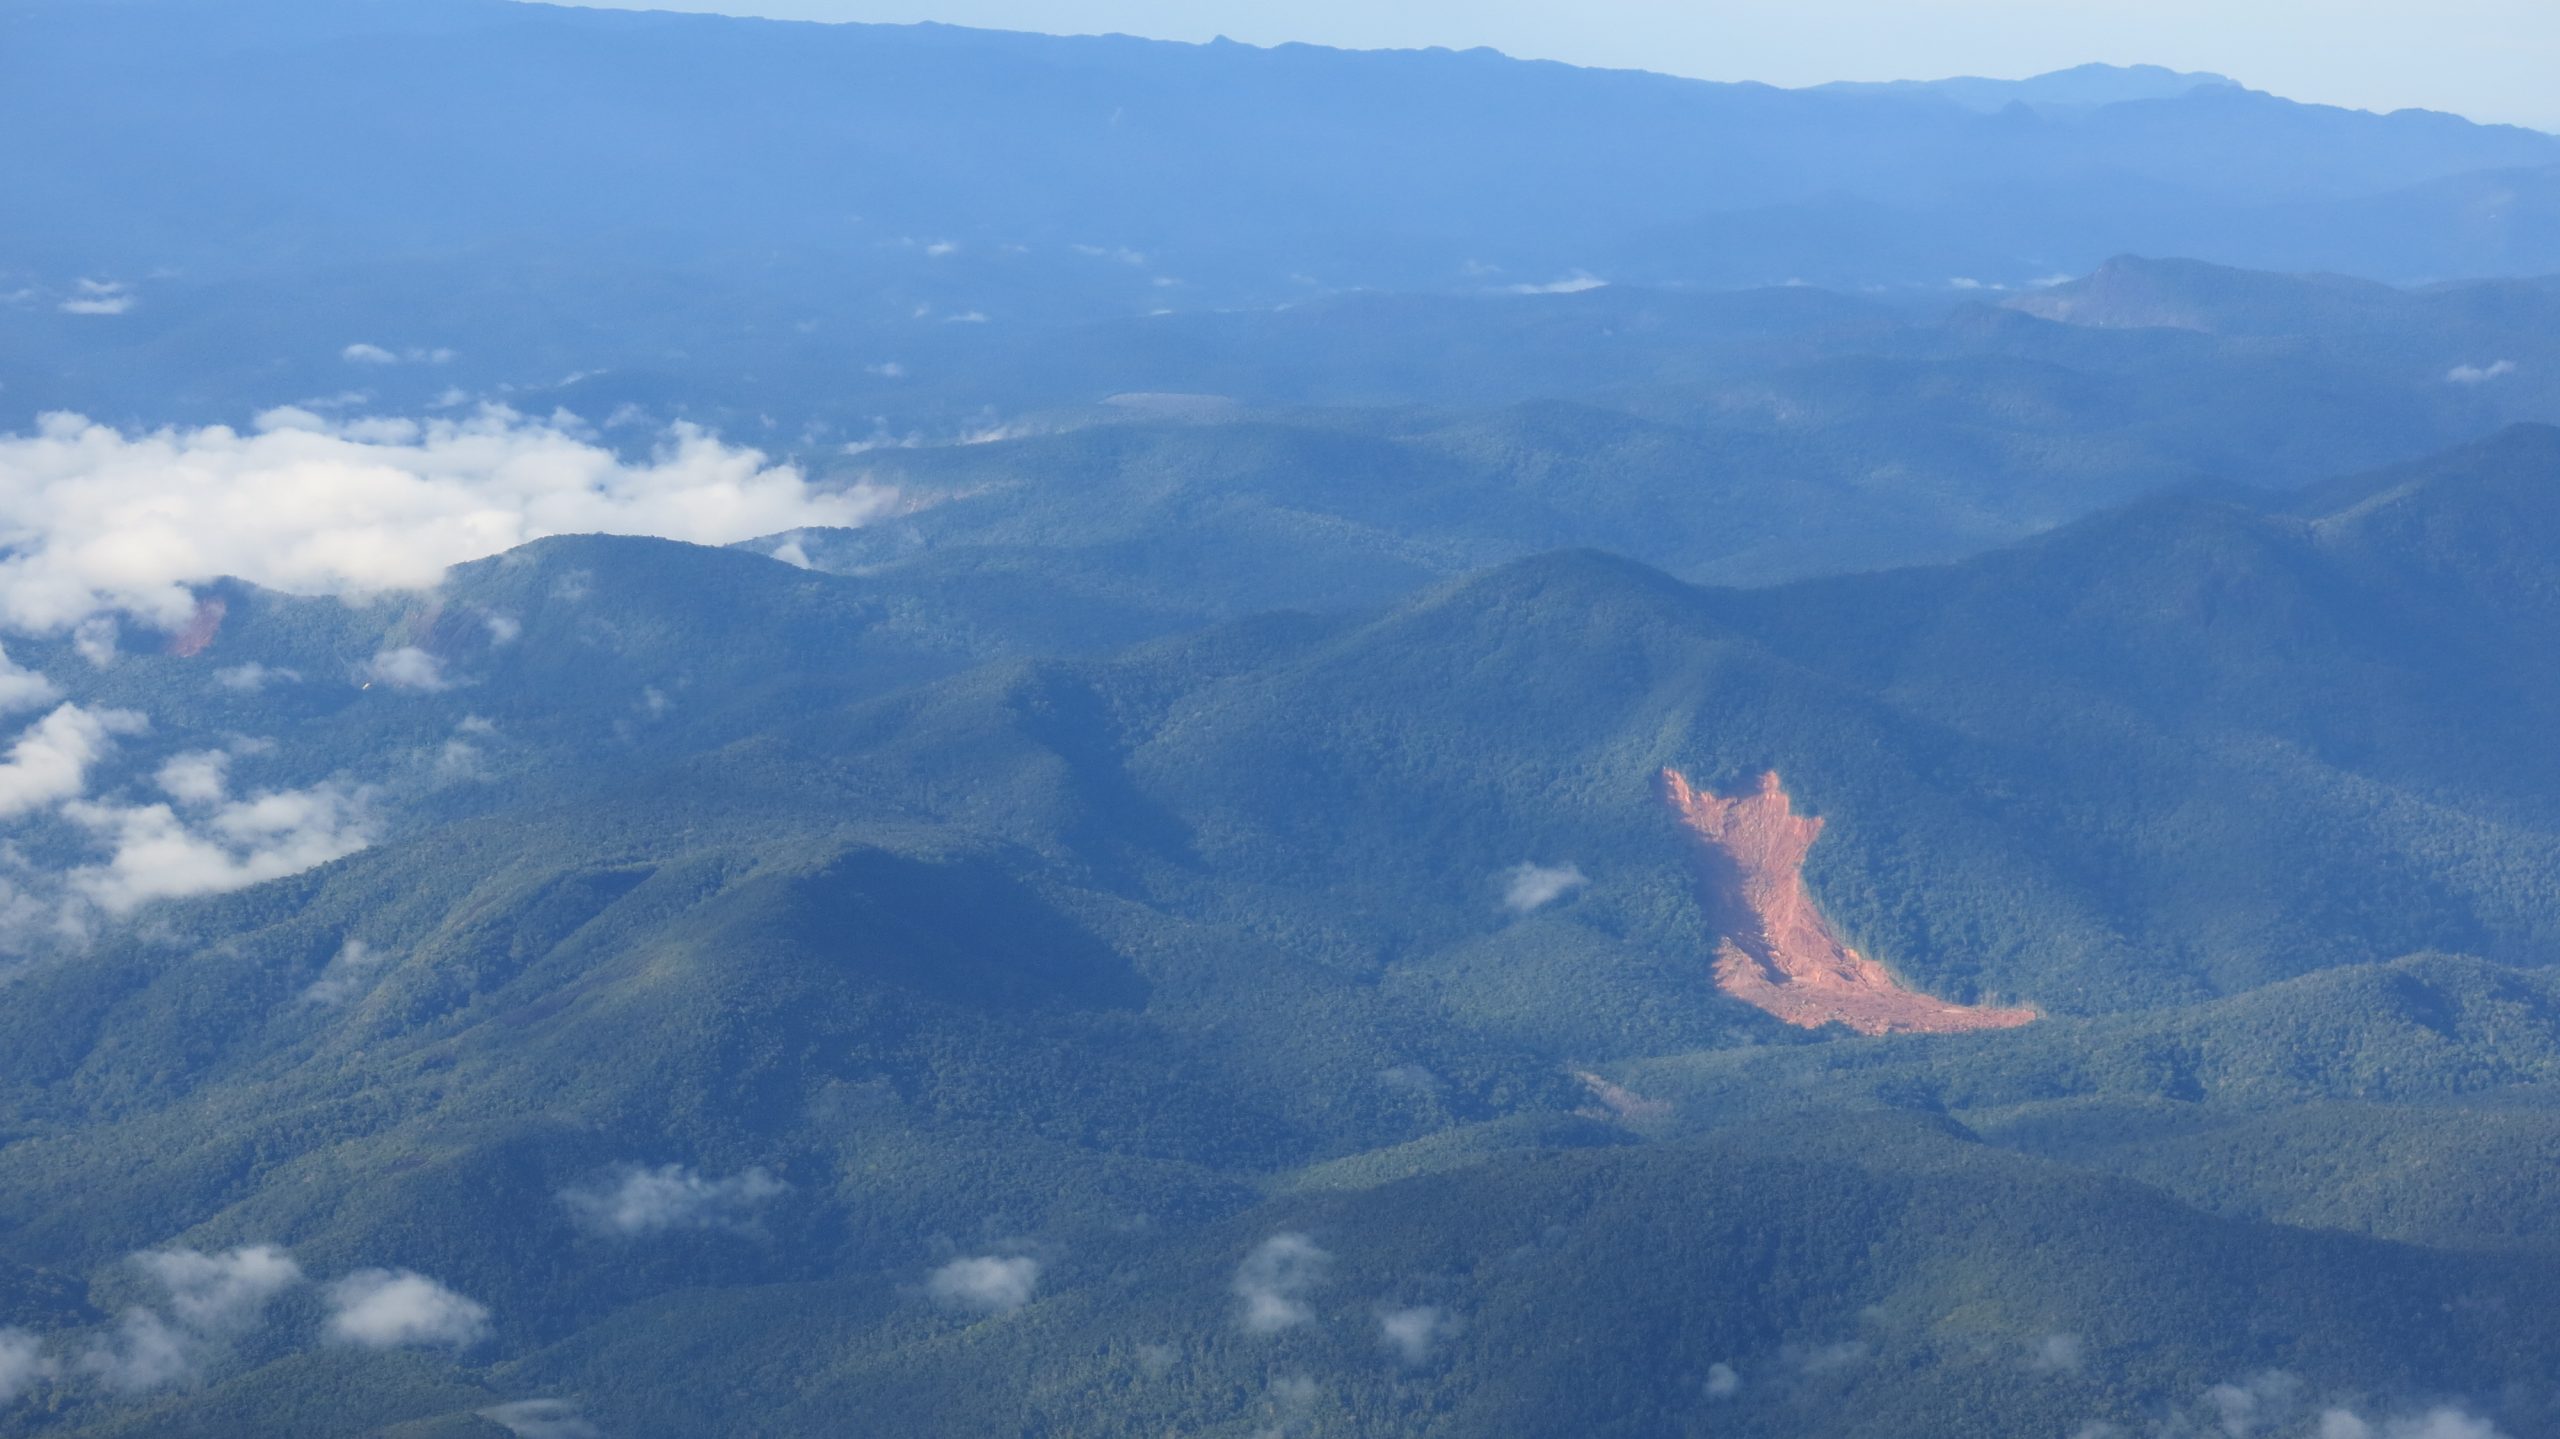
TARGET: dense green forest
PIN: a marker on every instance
(912, 1013)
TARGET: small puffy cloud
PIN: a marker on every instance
(1412, 1333)
(23, 1364)
(633, 1200)
(2440, 1423)
(1273, 1280)
(405, 668)
(23, 689)
(985, 1284)
(216, 1292)
(1574, 284)
(205, 1298)
(158, 855)
(95, 520)
(99, 297)
(1121, 253)
(1527, 886)
(2056, 1353)
(2479, 374)
(1723, 1382)
(196, 777)
(398, 1309)
(1830, 1358)
(542, 1419)
(364, 354)
(346, 974)
(50, 762)
(886, 370)
(145, 1352)
(253, 677)
(94, 640)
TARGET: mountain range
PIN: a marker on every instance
(723, 727)
(1121, 970)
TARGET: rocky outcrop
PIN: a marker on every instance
(1774, 950)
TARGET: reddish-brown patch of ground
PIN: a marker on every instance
(201, 627)
(1775, 951)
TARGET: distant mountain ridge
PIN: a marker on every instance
(2080, 87)
(1231, 168)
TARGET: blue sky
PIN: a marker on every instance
(2490, 59)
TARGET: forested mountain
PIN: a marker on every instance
(720, 727)
(1106, 972)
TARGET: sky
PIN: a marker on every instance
(2489, 59)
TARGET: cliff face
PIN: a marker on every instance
(1774, 950)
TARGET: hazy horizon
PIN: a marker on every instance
(2487, 60)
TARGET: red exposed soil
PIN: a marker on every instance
(202, 626)
(1776, 952)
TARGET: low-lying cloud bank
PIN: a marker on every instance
(95, 520)
(199, 839)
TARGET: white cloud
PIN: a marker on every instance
(886, 370)
(94, 640)
(94, 520)
(2440, 1423)
(50, 762)
(1527, 886)
(406, 668)
(23, 689)
(253, 677)
(392, 1309)
(99, 297)
(23, 1364)
(204, 1299)
(1573, 284)
(146, 1352)
(216, 1292)
(197, 776)
(2479, 374)
(634, 1200)
(1121, 253)
(1722, 1381)
(985, 1284)
(1273, 1278)
(2056, 1353)
(542, 1419)
(459, 761)
(966, 317)
(2276, 1403)
(364, 354)
(346, 973)
(1412, 1333)
(269, 835)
